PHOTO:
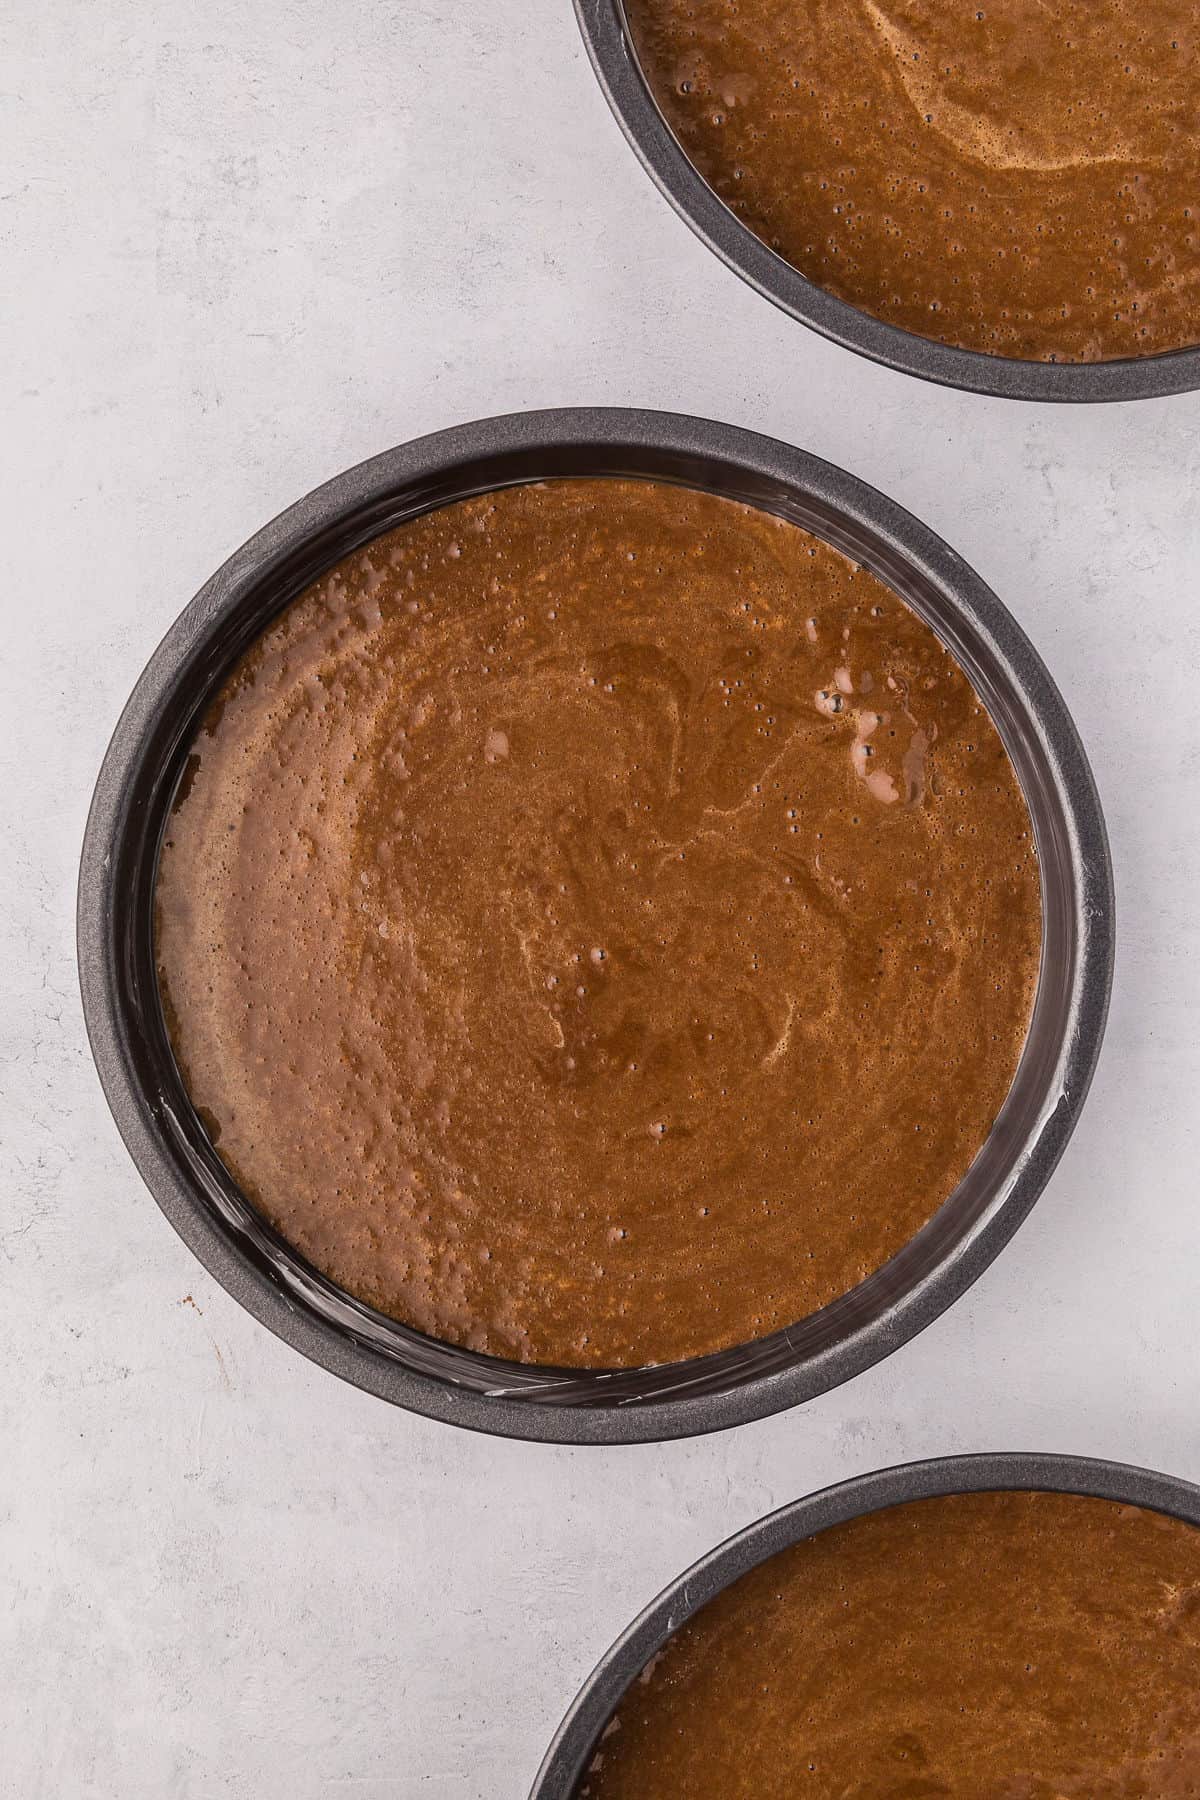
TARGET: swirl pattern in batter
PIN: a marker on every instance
(599, 923)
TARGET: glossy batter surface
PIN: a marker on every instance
(1013, 176)
(599, 925)
(980, 1647)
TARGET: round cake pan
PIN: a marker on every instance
(610, 45)
(168, 1143)
(575, 1741)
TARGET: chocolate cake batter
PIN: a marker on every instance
(599, 923)
(1015, 176)
(982, 1647)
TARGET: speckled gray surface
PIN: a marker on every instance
(244, 247)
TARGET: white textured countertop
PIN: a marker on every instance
(242, 248)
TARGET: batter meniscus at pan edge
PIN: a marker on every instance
(598, 924)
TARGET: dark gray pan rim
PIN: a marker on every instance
(609, 44)
(167, 1142)
(571, 1750)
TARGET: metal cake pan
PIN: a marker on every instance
(610, 45)
(169, 1144)
(575, 1741)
